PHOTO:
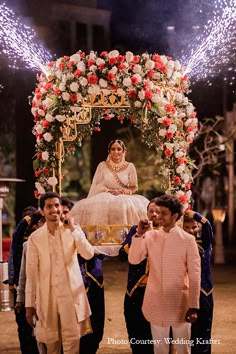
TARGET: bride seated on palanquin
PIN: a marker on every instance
(112, 205)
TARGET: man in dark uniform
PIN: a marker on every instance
(138, 327)
(26, 226)
(198, 226)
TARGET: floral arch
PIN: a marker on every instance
(74, 93)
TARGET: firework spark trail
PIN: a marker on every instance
(215, 46)
(18, 43)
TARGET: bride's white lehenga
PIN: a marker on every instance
(103, 208)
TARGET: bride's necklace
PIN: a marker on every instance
(117, 166)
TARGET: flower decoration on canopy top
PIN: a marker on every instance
(74, 93)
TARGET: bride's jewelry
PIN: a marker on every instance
(117, 166)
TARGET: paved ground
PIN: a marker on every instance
(115, 281)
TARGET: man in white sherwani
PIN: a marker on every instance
(171, 298)
(55, 298)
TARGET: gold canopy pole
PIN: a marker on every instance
(59, 149)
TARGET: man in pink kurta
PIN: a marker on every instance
(172, 293)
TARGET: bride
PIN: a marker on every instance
(112, 199)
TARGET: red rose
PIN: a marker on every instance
(37, 173)
(112, 61)
(101, 66)
(110, 76)
(45, 171)
(166, 122)
(176, 180)
(61, 66)
(168, 152)
(90, 62)
(45, 124)
(57, 91)
(150, 73)
(180, 160)
(148, 94)
(148, 105)
(121, 117)
(188, 186)
(96, 129)
(73, 97)
(121, 58)
(51, 63)
(70, 64)
(47, 86)
(113, 87)
(136, 59)
(169, 135)
(132, 118)
(77, 73)
(103, 54)
(36, 194)
(170, 108)
(39, 156)
(134, 80)
(132, 94)
(183, 198)
(121, 66)
(92, 79)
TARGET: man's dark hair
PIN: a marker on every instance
(171, 202)
(67, 202)
(151, 201)
(28, 210)
(47, 195)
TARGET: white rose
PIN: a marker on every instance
(93, 68)
(180, 169)
(39, 129)
(48, 137)
(100, 61)
(179, 154)
(94, 90)
(106, 92)
(42, 90)
(81, 66)
(164, 59)
(137, 69)
(162, 132)
(155, 98)
(150, 64)
(74, 86)
(141, 95)
(177, 65)
(33, 110)
(52, 181)
(113, 54)
(65, 96)
(179, 97)
(79, 97)
(137, 104)
(75, 57)
(58, 74)
(48, 102)
(129, 56)
(92, 55)
(189, 109)
(39, 188)
(127, 82)
(121, 92)
(103, 83)
(138, 77)
(49, 117)
(41, 112)
(45, 156)
(83, 81)
(114, 69)
(60, 118)
(172, 128)
(62, 86)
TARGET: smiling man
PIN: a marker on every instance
(54, 282)
(171, 298)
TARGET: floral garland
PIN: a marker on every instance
(155, 87)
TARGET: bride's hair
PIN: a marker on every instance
(120, 142)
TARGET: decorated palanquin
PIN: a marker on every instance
(74, 93)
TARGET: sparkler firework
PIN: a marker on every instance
(19, 43)
(214, 49)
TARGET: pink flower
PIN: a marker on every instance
(166, 122)
(183, 198)
(148, 94)
(170, 108)
(121, 117)
(132, 118)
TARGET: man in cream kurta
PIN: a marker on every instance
(54, 283)
(172, 293)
